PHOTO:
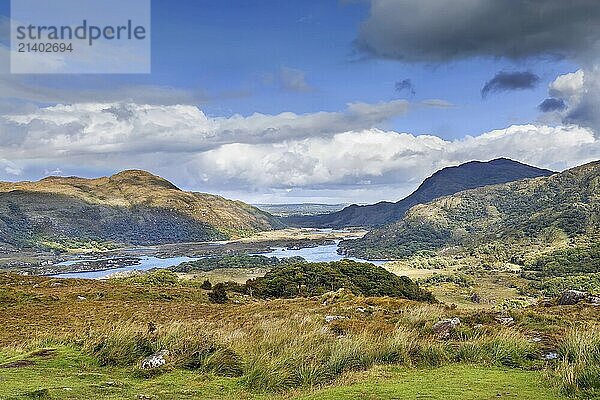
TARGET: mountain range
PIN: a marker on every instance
(444, 182)
(132, 207)
(563, 205)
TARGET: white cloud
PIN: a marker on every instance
(91, 128)
(333, 155)
(580, 91)
(376, 157)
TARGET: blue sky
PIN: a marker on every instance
(302, 57)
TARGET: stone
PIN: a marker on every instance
(444, 327)
(594, 300)
(506, 320)
(81, 298)
(572, 297)
(476, 298)
(155, 360)
(331, 318)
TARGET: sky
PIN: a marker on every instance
(318, 101)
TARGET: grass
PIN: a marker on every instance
(70, 374)
(463, 382)
(273, 349)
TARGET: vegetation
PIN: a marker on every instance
(234, 261)
(313, 279)
(444, 182)
(132, 207)
(255, 349)
(569, 261)
(510, 217)
(460, 279)
(554, 287)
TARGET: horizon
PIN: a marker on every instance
(316, 102)
(345, 204)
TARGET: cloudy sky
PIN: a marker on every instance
(319, 100)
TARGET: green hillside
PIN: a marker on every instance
(133, 207)
(444, 182)
(518, 215)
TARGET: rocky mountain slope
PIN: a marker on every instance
(444, 182)
(562, 205)
(133, 207)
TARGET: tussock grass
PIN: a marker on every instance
(578, 370)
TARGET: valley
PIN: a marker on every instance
(509, 270)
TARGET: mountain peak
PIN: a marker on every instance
(138, 177)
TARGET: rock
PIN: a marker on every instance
(571, 297)
(361, 310)
(81, 298)
(476, 298)
(444, 327)
(536, 339)
(506, 320)
(550, 356)
(331, 318)
(478, 326)
(155, 360)
(594, 300)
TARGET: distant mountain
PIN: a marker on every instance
(565, 205)
(133, 207)
(287, 210)
(444, 182)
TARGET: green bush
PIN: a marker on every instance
(313, 279)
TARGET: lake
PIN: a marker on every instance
(324, 253)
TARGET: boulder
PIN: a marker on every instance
(444, 327)
(155, 360)
(571, 297)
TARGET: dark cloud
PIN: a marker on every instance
(442, 30)
(552, 104)
(405, 85)
(505, 81)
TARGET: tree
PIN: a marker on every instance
(218, 294)
(206, 285)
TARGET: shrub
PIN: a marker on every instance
(314, 279)
(218, 294)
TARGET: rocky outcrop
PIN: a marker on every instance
(572, 297)
(444, 328)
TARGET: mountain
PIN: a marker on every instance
(565, 205)
(132, 207)
(444, 182)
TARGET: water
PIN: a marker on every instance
(324, 253)
(145, 263)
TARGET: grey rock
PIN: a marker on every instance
(331, 318)
(506, 320)
(444, 327)
(571, 297)
(155, 360)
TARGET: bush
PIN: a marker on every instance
(218, 294)
(314, 279)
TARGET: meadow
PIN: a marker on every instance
(76, 339)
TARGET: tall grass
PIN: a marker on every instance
(579, 367)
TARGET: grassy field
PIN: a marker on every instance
(99, 331)
(67, 374)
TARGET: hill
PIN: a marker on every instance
(565, 205)
(132, 207)
(444, 182)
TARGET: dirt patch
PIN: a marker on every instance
(44, 353)
(17, 364)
